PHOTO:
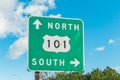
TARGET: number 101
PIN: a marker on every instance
(56, 43)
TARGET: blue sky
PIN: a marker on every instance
(101, 29)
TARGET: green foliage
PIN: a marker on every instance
(96, 74)
(110, 74)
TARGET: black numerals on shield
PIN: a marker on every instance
(49, 43)
(57, 44)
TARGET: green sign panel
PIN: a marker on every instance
(55, 44)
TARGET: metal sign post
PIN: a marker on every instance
(37, 75)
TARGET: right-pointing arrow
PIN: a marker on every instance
(75, 62)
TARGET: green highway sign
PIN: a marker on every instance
(55, 44)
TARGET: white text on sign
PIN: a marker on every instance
(48, 62)
(63, 26)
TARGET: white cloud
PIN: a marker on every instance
(39, 1)
(8, 26)
(117, 68)
(56, 16)
(11, 15)
(7, 4)
(111, 41)
(18, 48)
(36, 9)
(13, 22)
(2, 29)
(100, 48)
(19, 9)
(51, 3)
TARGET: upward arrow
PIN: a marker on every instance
(75, 62)
(37, 23)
